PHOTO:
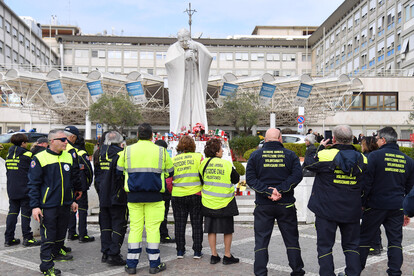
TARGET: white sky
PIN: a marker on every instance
(163, 18)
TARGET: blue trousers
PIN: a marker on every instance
(326, 231)
(113, 224)
(264, 221)
(393, 222)
(15, 207)
(83, 213)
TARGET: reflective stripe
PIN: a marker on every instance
(152, 170)
(170, 170)
(153, 257)
(216, 184)
(186, 184)
(132, 256)
(153, 245)
(134, 245)
(217, 194)
(129, 157)
(119, 168)
(185, 175)
(160, 157)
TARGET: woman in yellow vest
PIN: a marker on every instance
(186, 196)
(219, 204)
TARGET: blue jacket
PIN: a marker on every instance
(389, 178)
(111, 182)
(17, 164)
(273, 166)
(52, 179)
(408, 204)
(336, 192)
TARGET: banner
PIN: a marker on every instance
(228, 89)
(95, 89)
(136, 92)
(303, 94)
(266, 93)
(56, 89)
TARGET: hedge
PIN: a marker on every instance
(241, 144)
(239, 168)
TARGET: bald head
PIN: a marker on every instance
(273, 134)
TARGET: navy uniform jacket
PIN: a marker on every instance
(336, 192)
(52, 179)
(389, 178)
(408, 204)
(273, 166)
(17, 164)
(111, 186)
(86, 171)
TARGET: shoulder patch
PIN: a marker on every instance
(66, 167)
(74, 154)
(32, 164)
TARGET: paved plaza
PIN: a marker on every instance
(19, 260)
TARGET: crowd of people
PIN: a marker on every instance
(353, 191)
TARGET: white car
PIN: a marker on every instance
(289, 138)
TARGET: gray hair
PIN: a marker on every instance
(67, 133)
(53, 132)
(343, 134)
(389, 134)
(113, 137)
(310, 138)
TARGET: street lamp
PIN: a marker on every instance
(52, 19)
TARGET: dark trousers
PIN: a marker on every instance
(376, 242)
(83, 213)
(163, 227)
(182, 206)
(113, 224)
(326, 231)
(264, 221)
(393, 222)
(53, 232)
(15, 206)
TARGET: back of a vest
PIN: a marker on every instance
(186, 179)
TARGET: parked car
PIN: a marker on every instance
(289, 138)
(32, 136)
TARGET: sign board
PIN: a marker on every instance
(300, 128)
(228, 89)
(56, 89)
(95, 89)
(300, 119)
(136, 92)
(412, 137)
(266, 93)
(99, 131)
(303, 94)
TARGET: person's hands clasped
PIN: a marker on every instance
(275, 194)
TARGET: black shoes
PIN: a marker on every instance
(62, 256)
(215, 259)
(130, 270)
(104, 258)
(66, 249)
(86, 238)
(155, 270)
(231, 260)
(12, 242)
(115, 260)
(73, 237)
(167, 239)
(52, 272)
(31, 242)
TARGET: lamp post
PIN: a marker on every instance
(52, 19)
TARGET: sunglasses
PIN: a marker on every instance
(64, 139)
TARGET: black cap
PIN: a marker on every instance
(72, 129)
(42, 140)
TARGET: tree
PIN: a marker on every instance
(242, 111)
(116, 111)
(411, 116)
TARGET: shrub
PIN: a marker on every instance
(240, 144)
(239, 168)
(299, 149)
(247, 154)
(408, 151)
(131, 141)
(89, 148)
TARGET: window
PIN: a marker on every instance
(273, 57)
(33, 49)
(146, 55)
(160, 55)
(14, 33)
(242, 56)
(21, 38)
(15, 57)
(130, 55)
(1, 47)
(114, 54)
(409, 11)
(27, 44)
(98, 53)
(8, 51)
(1, 22)
(257, 56)
(289, 57)
(81, 53)
(8, 27)
(375, 101)
(308, 57)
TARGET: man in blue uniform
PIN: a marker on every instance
(17, 165)
(273, 172)
(336, 200)
(389, 178)
(51, 190)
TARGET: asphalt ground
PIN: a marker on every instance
(19, 260)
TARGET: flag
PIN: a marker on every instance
(219, 132)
